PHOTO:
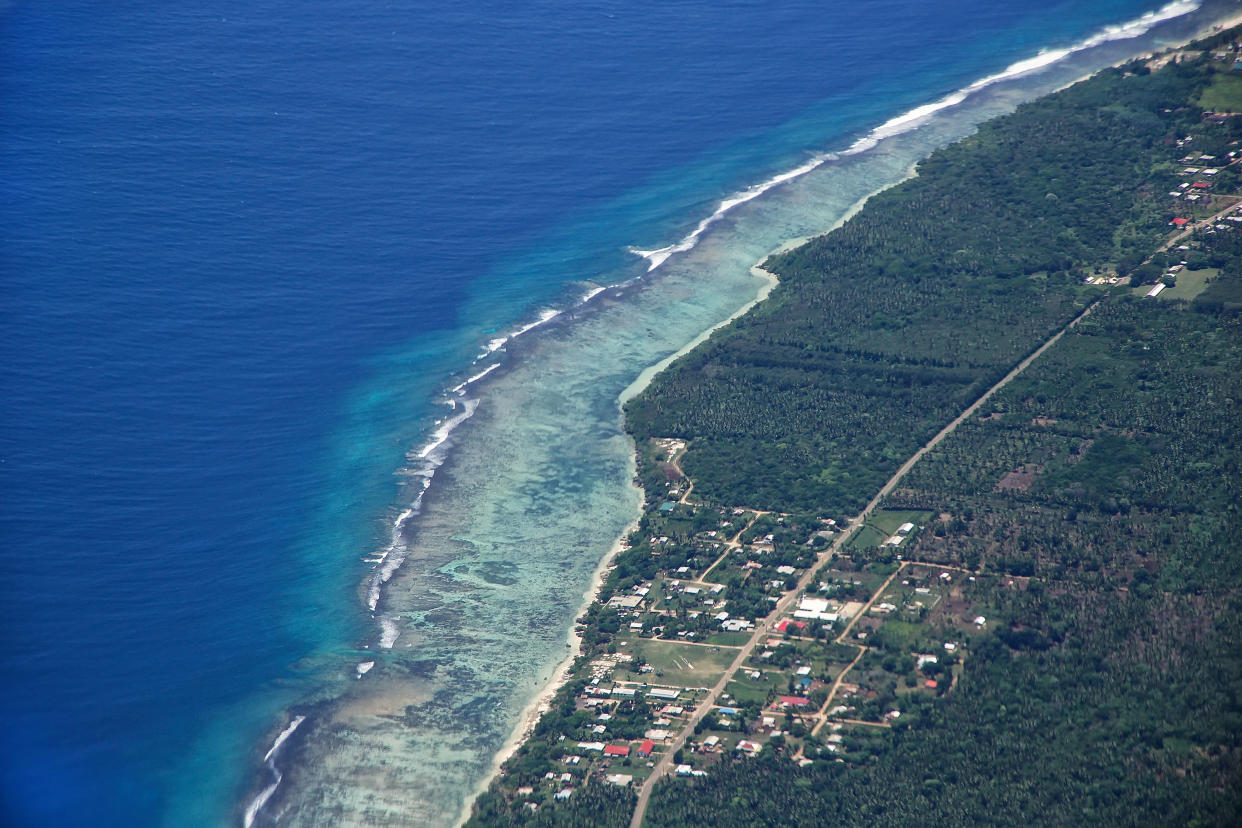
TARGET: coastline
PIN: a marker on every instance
(534, 710)
(538, 704)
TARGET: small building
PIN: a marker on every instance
(749, 747)
(905, 528)
(668, 507)
(794, 701)
(684, 770)
(1179, 222)
(666, 693)
(564, 794)
(646, 748)
(616, 750)
(621, 780)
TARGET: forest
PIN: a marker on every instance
(1111, 691)
(883, 330)
(1105, 478)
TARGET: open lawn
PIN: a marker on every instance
(744, 689)
(867, 537)
(686, 665)
(1190, 283)
(1224, 95)
(883, 524)
(887, 520)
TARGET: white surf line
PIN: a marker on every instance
(919, 115)
(269, 759)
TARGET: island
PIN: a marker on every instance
(946, 530)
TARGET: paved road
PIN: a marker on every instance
(763, 628)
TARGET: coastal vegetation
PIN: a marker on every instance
(1041, 621)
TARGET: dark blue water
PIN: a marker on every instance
(243, 245)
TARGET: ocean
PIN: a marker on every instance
(316, 317)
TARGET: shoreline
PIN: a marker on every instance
(534, 710)
(536, 707)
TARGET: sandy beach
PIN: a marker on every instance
(539, 704)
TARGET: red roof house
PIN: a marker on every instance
(644, 750)
(1179, 222)
(616, 750)
(786, 624)
(795, 701)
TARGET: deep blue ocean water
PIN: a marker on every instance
(244, 246)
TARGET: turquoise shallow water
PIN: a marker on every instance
(249, 249)
(536, 488)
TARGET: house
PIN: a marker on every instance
(1179, 222)
(786, 624)
(645, 749)
(565, 794)
(684, 770)
(815, 605)
(663, 693)
(749, 747)
(616, 750)
(905, 528)
(621, 780)
(794, 701)
(668, 507)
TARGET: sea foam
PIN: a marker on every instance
(269, 759)
(918, 116)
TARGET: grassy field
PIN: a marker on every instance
(1224, 95)
(745, 689)
(883, 524)
(867, 537)
(728, 639)
(685, 664)
(1190, 283)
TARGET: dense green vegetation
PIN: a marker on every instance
(1111, 690)
(1097, 497)
(882, 331)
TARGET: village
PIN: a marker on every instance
(766, 632)
(742, 631)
